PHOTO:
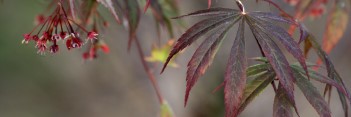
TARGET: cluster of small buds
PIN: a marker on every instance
(54, 28)
(318, 7)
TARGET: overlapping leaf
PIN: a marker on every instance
(263, 27)
(203, 57)
(331, 72)
(276, 58)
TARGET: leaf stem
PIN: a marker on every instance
(148, 71)
(241, 6)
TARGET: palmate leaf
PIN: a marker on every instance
(264, 30)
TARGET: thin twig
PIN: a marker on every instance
(148, 71)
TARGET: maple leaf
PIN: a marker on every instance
(260, 75)
(264, 29)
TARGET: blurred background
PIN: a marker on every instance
(115, 85)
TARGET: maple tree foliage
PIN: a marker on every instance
(242, 82)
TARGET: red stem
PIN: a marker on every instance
(148, 71)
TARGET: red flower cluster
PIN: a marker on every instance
(54, 28)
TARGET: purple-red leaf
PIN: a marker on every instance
(282, 106)
(285, 38)
(197, 31)
(276, 58)
(312, 95)
(203, 57)
(235, 75)
(213, 12)
(270, 17)
(321, 78)
(331, 71)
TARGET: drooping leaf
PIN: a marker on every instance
(321, 78)
(110, 6)
(312, 95)
(276, 58)
(133, 17)
(203, 56)
(285, 38)
(198, 30)
(254, 87)
(331, 71)
(336, 25)
(235, 75)
(282, 107)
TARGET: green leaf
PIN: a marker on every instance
(254, 87)
(257, 69)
